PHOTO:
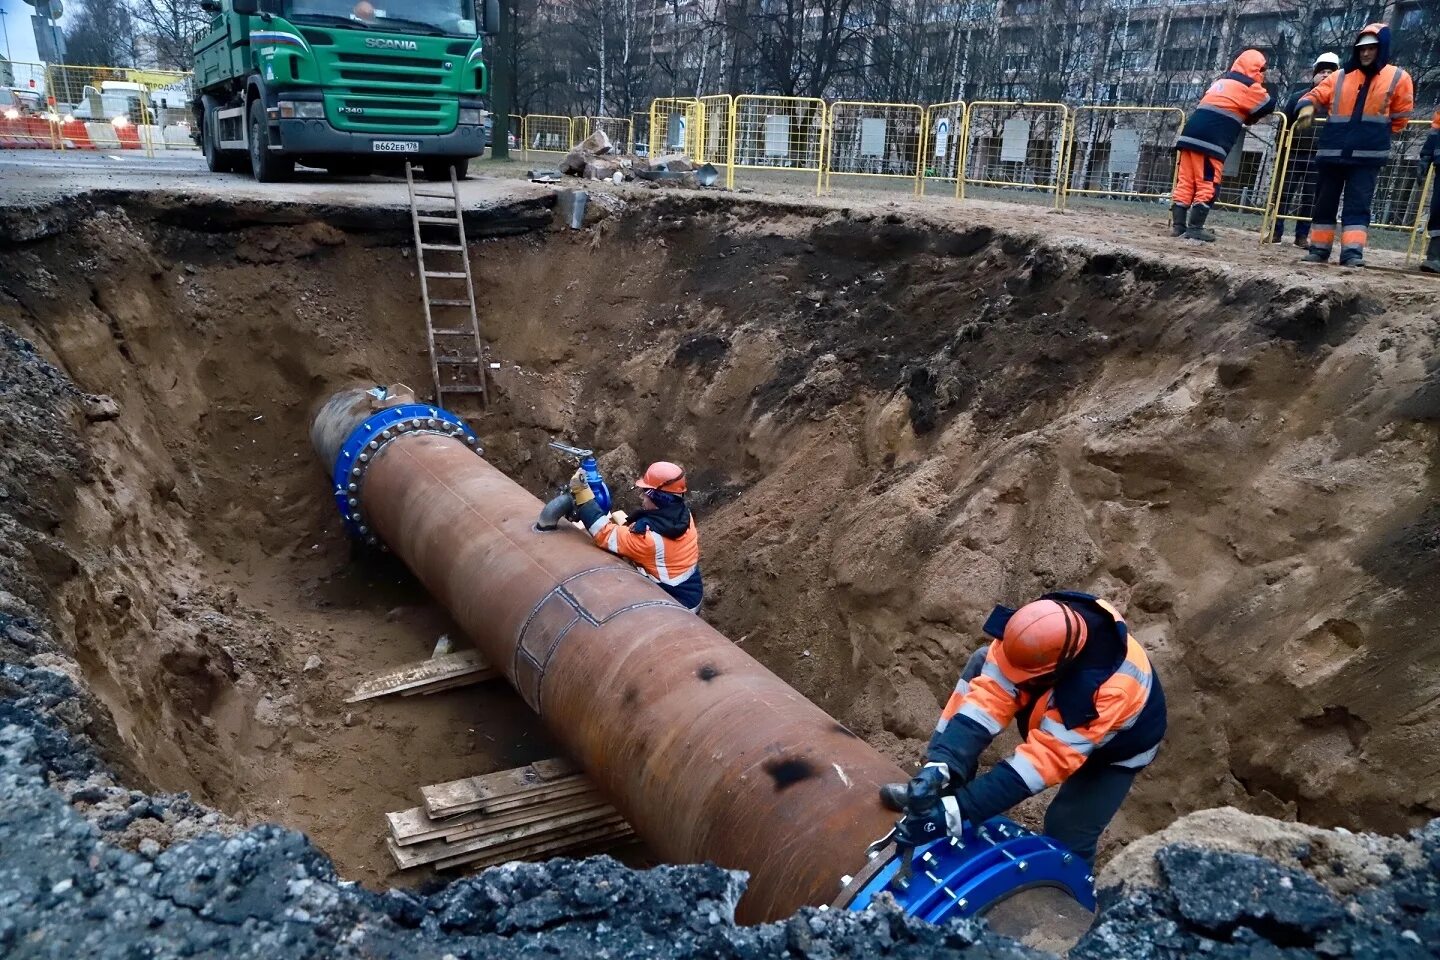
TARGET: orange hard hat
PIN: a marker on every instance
(1039, 637)
(664, 476)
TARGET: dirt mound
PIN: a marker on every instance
(1222, 883)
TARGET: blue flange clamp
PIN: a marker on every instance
(964, 876)
(365, 443)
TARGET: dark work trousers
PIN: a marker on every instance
(1357, 184)
(1086, 803)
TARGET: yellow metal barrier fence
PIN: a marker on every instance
(943, 142)
(1432, 224)
(778, 134)
(715, 130)
(616, 128)
(869, 139)
(121, 108)
(1014, 146)
(676, 125)
(1251, 174)
(1399, 202)
(1122, 152)
(548, 133)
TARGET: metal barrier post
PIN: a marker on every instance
(875, 139)
(1422, 212)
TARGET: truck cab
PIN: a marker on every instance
(348, 85)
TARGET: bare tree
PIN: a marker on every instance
(168, 28)
(101, 34)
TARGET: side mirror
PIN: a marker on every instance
(492, 17)
(245, 6)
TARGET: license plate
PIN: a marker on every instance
(395, 146)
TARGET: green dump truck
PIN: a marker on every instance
(352, 87)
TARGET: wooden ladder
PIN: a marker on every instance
(455, 348)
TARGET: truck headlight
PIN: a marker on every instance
(470, 114)
(301, 110)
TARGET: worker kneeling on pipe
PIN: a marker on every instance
(661, 539)
(1086, 698)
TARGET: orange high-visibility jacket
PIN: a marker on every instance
(1364, 109)
(1122, 732)
(1237, 99)
(672, 562)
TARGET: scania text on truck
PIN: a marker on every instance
(349, 86)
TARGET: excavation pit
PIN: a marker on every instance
(889, 424)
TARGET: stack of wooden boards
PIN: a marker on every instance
(542, 810)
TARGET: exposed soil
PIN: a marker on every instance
(890, 426)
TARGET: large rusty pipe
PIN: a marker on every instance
(708, 754)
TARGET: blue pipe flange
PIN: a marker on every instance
(964, 876)
(369, 438)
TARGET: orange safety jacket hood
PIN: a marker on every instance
(1252, 64)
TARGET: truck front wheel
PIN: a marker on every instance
(266, 166)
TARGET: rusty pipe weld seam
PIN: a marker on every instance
(744, 771)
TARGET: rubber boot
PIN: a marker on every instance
(1352, 258)
(894, 795)
(1432, 257)
(1177, 219)
(1196, 230)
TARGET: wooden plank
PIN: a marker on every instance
(416, 826)
(470, 791)
(535, 847)
(563, 789)
(422, 673)
(526, 817)
(429, 852)
(468, 680)
(598, 837)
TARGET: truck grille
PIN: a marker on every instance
(394, 93)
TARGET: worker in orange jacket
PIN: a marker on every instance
(660, 540)
(1088, 702)
(1234, 101)
(1368, 102)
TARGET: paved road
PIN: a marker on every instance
(30, 176)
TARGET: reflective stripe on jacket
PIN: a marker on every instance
(1236, 99)
(672, 562)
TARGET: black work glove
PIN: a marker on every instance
(926, 817)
